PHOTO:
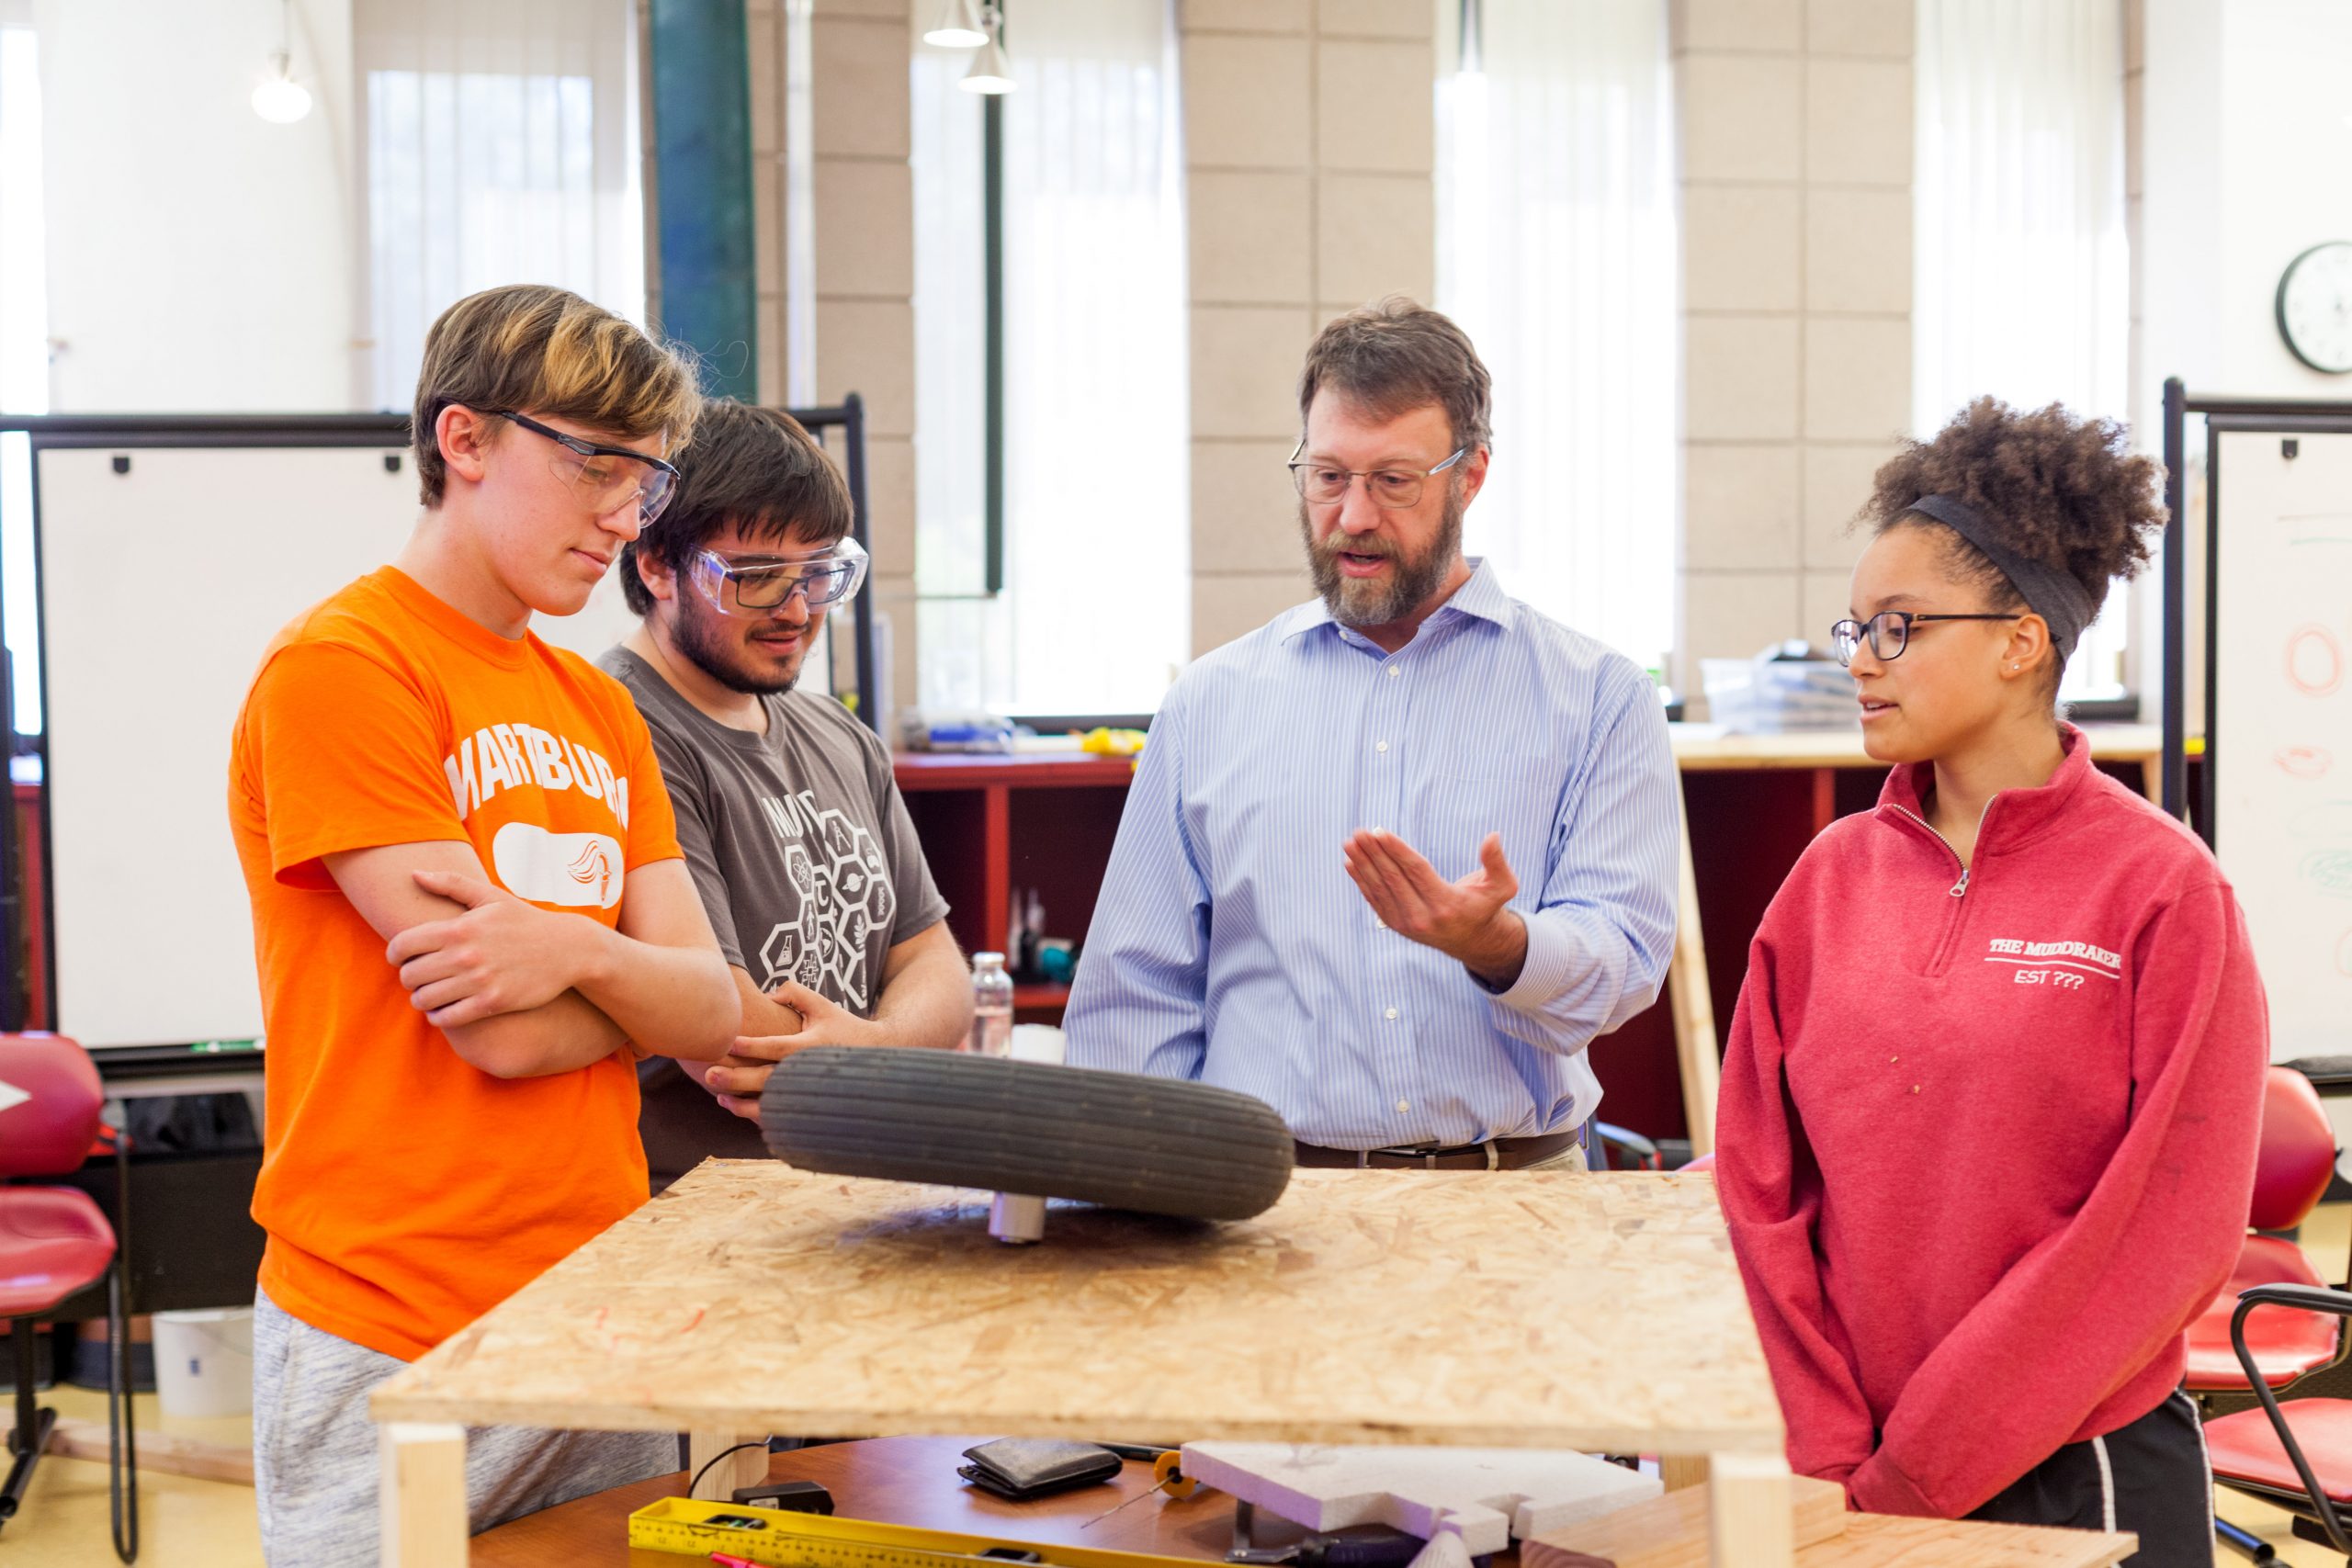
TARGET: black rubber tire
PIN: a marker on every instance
(1154, 1146)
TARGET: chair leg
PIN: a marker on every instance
(122, 1445)
(34, 1423)
(2257, 1549)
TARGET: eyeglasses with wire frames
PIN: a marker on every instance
(1889, 632)
(1322, 483)
(607, 477)
(761, 586)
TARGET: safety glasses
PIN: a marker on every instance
(759, 585)
(605, 477)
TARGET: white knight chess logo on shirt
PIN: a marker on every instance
(844, 895)
(2067, 966)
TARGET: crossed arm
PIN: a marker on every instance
(521, 991)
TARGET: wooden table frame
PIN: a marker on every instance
(1482, 1309)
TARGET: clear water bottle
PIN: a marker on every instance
(991, 1006)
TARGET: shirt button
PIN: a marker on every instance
(1392, 1012)
(1378, 924)
(1380, 746)
(1392, 672)
(1403, 1106)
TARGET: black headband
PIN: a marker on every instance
(2052, 594)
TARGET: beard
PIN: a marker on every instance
(1361, 601)
(707, 639)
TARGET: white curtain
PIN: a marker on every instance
(501, 146)
(1557, 251)
(23, 343)
(2022, 275)
(1094, 616)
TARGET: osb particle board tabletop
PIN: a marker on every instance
(1497, 1309)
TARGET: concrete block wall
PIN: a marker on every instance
(1310, 146)
(1796, 131)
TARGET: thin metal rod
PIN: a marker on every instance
(992, 331)
(2205, 822)
(2175, 594)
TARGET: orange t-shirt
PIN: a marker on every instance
(405, 1192)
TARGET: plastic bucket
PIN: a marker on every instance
(204, 1362)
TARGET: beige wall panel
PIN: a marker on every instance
(1377, 19)
(1742, 118)
(1253, 236)
(1858, 122)
(1244, 16)
(859, 95)
(1731, 615)
(1836, 482)
(1245, 369)
(1373, 107)
(1826, 596)
(1858, 251)
(1857, 379)
(1881, 27)
(1245, 512)
(1739, 24)
(1740, 245)
(1742, 384)
(868, 347)
(1376, 235)
(1225, 607)
(1246, 102)
(890, 504)
(1739, 507)
(865, 221)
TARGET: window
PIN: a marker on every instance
(24, 343)
(501, 146)
(1094, 616)
(1557, 251)
(2021, 285)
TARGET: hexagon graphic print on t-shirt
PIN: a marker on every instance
(839, 895)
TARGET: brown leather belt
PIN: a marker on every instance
(1501, 1153)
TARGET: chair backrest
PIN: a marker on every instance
(2297, 1155)
(1704, 1162)
(49, 1100)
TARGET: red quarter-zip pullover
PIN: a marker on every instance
(1987, 1136)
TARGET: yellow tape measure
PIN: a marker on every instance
(785, 1539)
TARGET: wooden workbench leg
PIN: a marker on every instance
(422, 1498)
(1749, 1523)
(1693, 1008)
(1678, 1471)
(748, 1468)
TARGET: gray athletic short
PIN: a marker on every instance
(315, 1465)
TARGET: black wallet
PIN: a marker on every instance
(1022, 1468)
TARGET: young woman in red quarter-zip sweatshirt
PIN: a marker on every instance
(1989, 1106)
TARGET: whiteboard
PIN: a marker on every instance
(2282, 814)
(159, 590)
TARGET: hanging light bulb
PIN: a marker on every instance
(991, 71)
(959, 26)
(281, 99)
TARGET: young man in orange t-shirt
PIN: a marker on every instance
(470, 914)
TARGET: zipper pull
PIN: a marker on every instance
(1960, 888)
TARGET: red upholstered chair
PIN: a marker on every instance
(54, 1243)
(2297, 1455)
(2292, 1172)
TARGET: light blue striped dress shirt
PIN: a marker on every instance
(1230, 946)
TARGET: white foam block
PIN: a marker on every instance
(1485, 1495)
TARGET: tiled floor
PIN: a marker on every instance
(209, 1524)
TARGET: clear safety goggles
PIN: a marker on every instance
(759, 585)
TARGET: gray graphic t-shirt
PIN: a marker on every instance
(808, 865)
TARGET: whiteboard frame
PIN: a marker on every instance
(131, 432)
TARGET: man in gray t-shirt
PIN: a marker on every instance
(791, 822)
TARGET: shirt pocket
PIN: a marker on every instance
(1516, 796)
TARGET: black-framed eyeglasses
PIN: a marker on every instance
(607, 477)
(1889, 632)
(1324, 483)
(754, 588)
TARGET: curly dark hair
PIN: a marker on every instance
(2061, 490)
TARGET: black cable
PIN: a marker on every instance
(754, 1443)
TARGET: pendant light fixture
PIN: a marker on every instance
(281, 99)
(991, 71)
(960, 27)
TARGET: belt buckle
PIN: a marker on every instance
(1427, 1155)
